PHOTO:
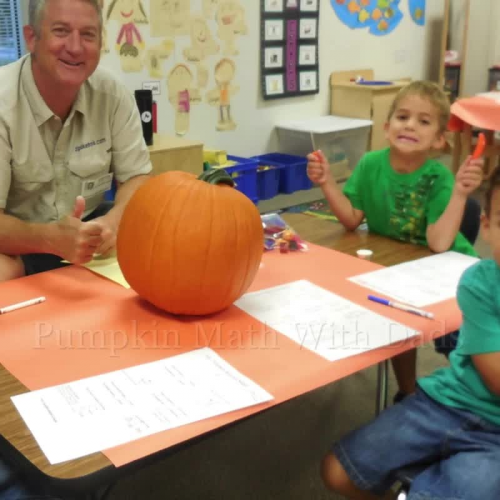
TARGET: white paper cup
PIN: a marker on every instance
(364, 253)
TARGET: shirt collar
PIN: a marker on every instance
(41, 111)
(80, 103)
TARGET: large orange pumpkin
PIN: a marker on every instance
(190, 245)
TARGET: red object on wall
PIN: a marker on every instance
(155, 123)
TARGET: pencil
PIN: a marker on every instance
(20, 305)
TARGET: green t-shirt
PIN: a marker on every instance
(460, 385)
(401, 206)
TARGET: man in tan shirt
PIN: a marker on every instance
(67, 130)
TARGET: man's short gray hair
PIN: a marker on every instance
(37, 9)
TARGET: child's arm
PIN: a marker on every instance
(442, 234)
(477, 297)
(488, 366)
(318, 170)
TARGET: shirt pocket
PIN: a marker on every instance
(30, 180)
(87, 168)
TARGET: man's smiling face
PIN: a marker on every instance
(66, 51)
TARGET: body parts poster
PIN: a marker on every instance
(289, 48)
(379, 16)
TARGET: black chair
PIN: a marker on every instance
(471, 220)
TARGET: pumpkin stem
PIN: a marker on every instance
(216, 176)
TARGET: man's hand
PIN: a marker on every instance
(469, 176)
(109, 230)
(318, 168)
(74, 240)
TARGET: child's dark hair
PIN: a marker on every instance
(427, 90)
(494, 184)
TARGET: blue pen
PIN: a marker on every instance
(403, 307)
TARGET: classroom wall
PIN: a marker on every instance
(483, 41)
(409, 51)
(495, 33)
(479, 40)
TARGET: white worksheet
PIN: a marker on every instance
(419, 282)
(322, 321)
(72, 420)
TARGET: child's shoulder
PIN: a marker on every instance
(436, 170)
(376, 156)
(437, 165)
(484, 274)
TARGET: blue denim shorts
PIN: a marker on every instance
(463, 451)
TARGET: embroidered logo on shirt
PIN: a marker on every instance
(90, 144)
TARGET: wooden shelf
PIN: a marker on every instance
(176, 153)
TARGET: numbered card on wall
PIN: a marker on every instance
(289, 48)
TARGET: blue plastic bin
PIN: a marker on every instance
(268, 182)
(292, 171)
(244, 174)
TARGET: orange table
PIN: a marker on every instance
(481, 112)
(89, 326)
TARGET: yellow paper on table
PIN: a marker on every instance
(108, 268)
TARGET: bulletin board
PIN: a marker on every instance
(289, 48)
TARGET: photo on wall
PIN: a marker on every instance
(273, 29)
(273, 5)
(289, 61)
(273, 57)
(275, 84)
(307, 55)
(308, 80)
(308, 27)
(309, 5)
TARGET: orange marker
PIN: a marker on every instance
(481, 144)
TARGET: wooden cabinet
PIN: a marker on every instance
(371, 102)
(175, 153)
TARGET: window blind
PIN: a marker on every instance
(10, 35)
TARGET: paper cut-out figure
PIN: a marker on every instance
(104, 33)
(129, 43)
(224, 73)
(157, 55)
(231, 20)
(170, 17)
(202, 45)
(209, 7)
(202, 42)
(181, 94)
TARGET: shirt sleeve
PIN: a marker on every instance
(440, 195)
(353, 189)
(476, 295)
(5, 164)
(130, 153)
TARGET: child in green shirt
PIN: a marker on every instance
(452, 423)
(401, 192)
